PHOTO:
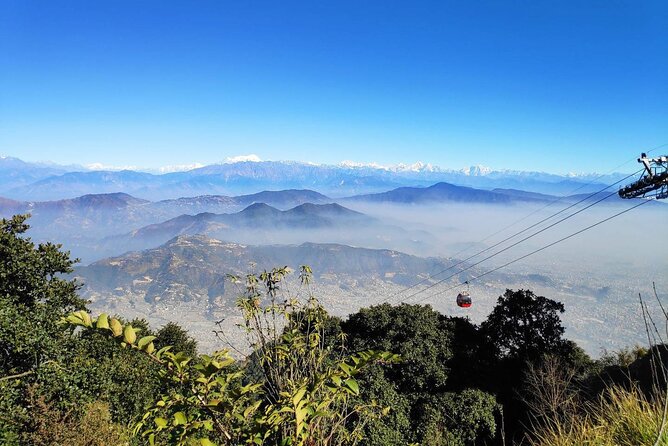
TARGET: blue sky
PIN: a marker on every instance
(534, 85)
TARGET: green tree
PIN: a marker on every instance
(43, 365)
(464, 418)
(415, 389)
(394, 428)
(524, 326)
(300, 353)
(33, 296)
(521, 329)
(420, 335)
(174, 335)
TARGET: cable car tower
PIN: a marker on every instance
(654, 178)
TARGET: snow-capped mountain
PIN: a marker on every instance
(249, 174)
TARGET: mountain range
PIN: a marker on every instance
(95, 225)
(113, 213)
(15, 173)
(109, 214)
(184, 280)
(38, 182)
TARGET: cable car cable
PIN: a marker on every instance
(539, 249)
(515, 244)
(519, 241)
(392, 296)
(528, 215)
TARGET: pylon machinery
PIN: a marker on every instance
(654, 179)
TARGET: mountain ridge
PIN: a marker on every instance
(246, 177)
(438, 192)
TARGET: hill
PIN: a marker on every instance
(192, 268)
(259, 216)
(101, 215)
(436, 193)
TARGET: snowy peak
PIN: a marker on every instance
(418, 166)
(247, 174)
(347, 164)
(478, 170)
(251, 158)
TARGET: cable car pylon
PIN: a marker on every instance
(654, 178)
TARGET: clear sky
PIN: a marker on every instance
(536, 85)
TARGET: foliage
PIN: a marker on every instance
(304, 397)
(463, 418)
(419, 334)
(32, 297)
(305, 374)
(128, 382)
(41, 361)
(200, 392)
(525, 326)
(396, 426)
(173, 335)
(623, 357)
(50, 426)
(422, 411)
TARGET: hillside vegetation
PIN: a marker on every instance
(385, 375)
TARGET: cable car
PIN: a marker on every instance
(464, 298)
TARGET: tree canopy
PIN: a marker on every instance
(524, 325)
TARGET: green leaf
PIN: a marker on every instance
(74, 319)
(116, 327)
(160, 422)
(180, 418)
(352, 385)
(206, 442)
(85, 317)
(300, 414)
(102, 321)
(143, 342)
(163, 350)
(251, 409)
(129, 334)
(298, 396)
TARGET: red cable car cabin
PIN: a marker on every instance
(464, 299)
